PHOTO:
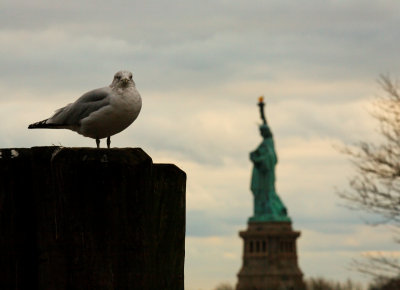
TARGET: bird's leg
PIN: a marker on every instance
(108, 142)
(98, 142)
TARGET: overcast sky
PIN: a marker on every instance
(200, 67)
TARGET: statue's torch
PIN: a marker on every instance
(261, 104)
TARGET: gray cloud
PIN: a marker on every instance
(188, 44)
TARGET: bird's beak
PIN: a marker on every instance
(125, 81)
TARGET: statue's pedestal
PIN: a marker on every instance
(270, 257)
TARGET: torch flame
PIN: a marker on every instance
(261, 99)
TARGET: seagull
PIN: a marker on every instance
(99, 113)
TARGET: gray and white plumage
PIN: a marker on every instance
(99, 113)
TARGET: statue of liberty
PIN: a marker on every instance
(267, 204)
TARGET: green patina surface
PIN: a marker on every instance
(267, 204)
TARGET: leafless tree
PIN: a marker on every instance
(376, 184)
(321, 283)
(379, 266)
(385, 284)
(375, 187)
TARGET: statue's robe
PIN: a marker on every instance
(266, 201)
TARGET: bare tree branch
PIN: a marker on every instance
(375, 186)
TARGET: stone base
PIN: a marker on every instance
(270, 258)
(269, 218)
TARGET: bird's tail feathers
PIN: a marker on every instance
(43, 124)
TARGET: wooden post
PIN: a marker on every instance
(82, 218)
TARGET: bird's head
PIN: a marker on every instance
(122, 79)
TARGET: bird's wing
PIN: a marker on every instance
(90, 102)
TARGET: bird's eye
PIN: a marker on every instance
(118, 77)
(130, 77)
